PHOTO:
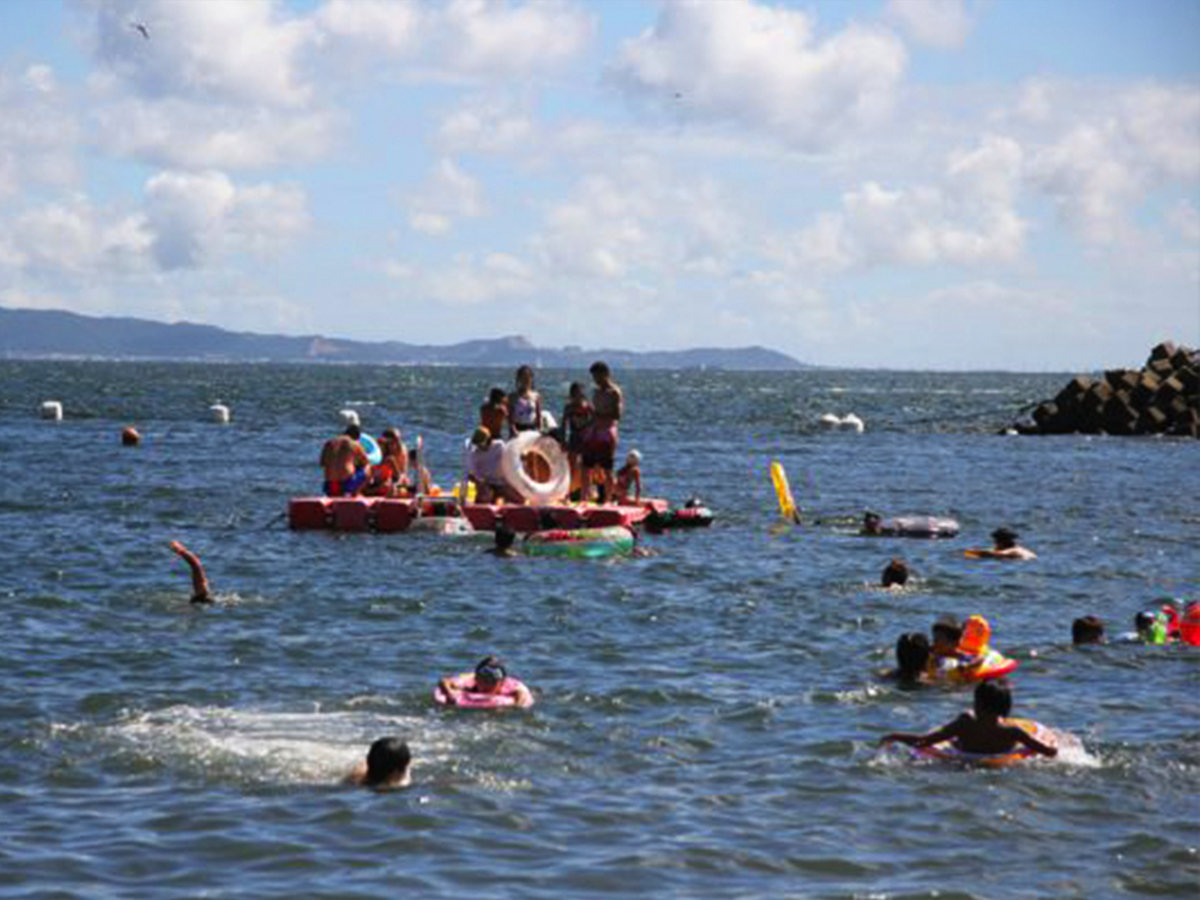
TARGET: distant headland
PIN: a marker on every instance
(29, 333)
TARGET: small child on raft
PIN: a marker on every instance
(983, 732)
(629, 476)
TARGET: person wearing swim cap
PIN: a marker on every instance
(388, 765)
(1004, 546)
(983, 731)
(490, 678)
(629, 476)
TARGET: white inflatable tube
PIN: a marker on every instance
(512, 467)
(52, 410)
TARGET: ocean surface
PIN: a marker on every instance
(707, 716)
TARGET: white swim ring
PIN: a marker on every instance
(512, 467)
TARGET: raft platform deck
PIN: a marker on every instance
(385, 514)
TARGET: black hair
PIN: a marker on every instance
(504, 538)
(521, 370)
(489, 667)
(993, 696)
(896, 572)
(353, 431)
(576, 387)
(387, 758)
(912, 655)
(1143, 620)
(1005, 537)
(1087, 630)
(496, 394)
(949, 627)
(599, 367)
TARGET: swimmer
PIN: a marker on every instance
(872, 524)
(505, 537)
(895, 574)
(943, 650)
(985, 731)
(1005, 546)
(388, 765)
(912, 659)
(1087, 630)
(490, 678)
(200, 589)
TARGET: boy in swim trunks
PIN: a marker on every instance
(985, 731)
(345, 463)
(200, 589)
(600, 446)
(388, 765)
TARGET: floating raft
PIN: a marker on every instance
(388, 515)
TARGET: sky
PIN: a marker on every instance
(910, 184)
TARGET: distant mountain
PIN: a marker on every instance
(26, 333)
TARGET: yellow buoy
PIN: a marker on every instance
(787, 505)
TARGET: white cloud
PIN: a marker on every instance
(761, 67)
(944, 24)
(487, 125)
(39, 135)
(195, 216)
(511, 39)
(1103, 158)
(73, 239)
(392, 24)
(468, 280)
(240, 51)
(175, 133)
(970, 218)
(449, 194)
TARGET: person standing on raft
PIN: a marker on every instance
(524, 405)
(200, 589)
(1005, 546)
(576, 420)
(600, 445)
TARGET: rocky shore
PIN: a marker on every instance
(1163, 397)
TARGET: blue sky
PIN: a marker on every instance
(936, 184)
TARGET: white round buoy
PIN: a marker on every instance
(52, 410)
(349, 417)
(829, 422)
(220, 413)
(852, 423)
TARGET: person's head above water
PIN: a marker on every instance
(947, 632)
(912, 655)
(388, 763)
(993, 698)
(872, 522)
(505, 537)
(489, 674)
(1004, 538)
(895, 573)
(1087, 630)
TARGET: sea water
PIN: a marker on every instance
(707, 715)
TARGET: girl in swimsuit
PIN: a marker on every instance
(524, 404)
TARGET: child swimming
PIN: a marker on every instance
(985, 731)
